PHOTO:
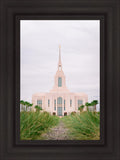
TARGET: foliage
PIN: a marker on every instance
(84, 126)
(93, 103)
(88, 104)
(73, 113)
(38, 108)
(25, 105)
(33, 124)
(22, 102)
(81, 108)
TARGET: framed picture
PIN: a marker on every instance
(60, 80)
(62, 111)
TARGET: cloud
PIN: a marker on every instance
(80, 55)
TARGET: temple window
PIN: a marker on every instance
(39, 103)
(59, 82)
(55, 104)
(70, 102)
(59, 100)
(48, 103)
(64, 105)
(80, 102)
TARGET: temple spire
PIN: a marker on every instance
(59, 62)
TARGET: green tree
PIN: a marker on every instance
(30, 105)
(38, 108)
(94, 103)
(22, 104)
(81, 108)
(87, 105)
(26, 105)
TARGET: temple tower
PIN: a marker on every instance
(59, 79)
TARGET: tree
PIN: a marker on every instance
(30, 105)
(38, 108)
(81, 108)
(26, 105)
(22, 103)
(94, 103)
(87, 104)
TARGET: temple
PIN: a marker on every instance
(59, 101)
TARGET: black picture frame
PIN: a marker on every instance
(11, 13)
(17, 82)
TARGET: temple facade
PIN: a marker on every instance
(59, 101)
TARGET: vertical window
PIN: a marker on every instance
(39, 103)
(59, 82)
(55, 104)
(48, 103)
(80, 102)
(64, 105)
(70, 102)
(59, 100)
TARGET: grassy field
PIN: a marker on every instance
(84, 126)
(33, 124)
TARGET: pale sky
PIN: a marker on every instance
(80, 54)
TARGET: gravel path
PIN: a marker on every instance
(59, 132)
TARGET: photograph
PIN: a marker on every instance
(60, 80)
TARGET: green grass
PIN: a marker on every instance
(33, 124)
(84, 126)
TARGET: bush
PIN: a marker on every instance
(84, 126)
(33, 124)
(73, 113)
(81, 108)
(45, 112)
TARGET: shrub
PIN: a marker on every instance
(38, 108)
(84, 126)
(33, 124)
(81, 108)
(73, 113)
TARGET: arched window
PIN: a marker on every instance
(59, 106)
(59, 100)
(59, 82)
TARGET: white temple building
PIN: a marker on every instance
(59, 101)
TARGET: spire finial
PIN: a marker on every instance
(59, 63)
(59, 53)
